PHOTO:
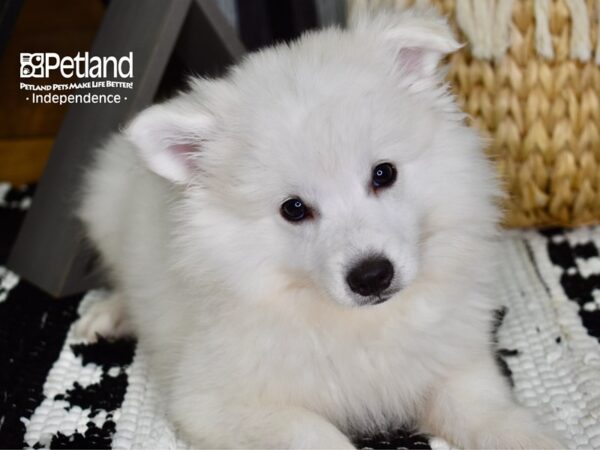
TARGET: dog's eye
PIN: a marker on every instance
(294, 210)
(384, 175)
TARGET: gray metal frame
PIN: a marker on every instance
(50, 250)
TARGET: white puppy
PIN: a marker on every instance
(304, 247)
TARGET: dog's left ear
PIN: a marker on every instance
(169, 139)
(416, 39)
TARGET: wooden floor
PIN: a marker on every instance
(27, 130)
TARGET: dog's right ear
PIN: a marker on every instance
(417, 38)
(169, 139)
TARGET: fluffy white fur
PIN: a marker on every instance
(250, 327)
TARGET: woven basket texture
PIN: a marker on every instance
(540, 113)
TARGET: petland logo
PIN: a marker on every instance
(40, 65)
(102, 73)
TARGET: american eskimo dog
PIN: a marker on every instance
(304, 248)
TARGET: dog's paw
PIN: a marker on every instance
(312, 439)
(521, 440)
(105, 318)
(512, 434)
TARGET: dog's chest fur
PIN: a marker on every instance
(359, 372)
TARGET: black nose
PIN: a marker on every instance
(371, 276)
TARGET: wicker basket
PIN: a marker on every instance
(530, 80)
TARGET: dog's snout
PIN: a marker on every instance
(371, 276)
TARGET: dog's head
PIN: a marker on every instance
(331, 164)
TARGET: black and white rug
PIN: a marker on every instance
(58, 392)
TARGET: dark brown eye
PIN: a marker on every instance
(294, 210)
(384, 175)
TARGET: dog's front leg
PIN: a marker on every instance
(474, 408)
(208, 424)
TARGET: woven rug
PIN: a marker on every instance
(57, 392)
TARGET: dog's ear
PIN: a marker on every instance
(169, 139)
(417, 39)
